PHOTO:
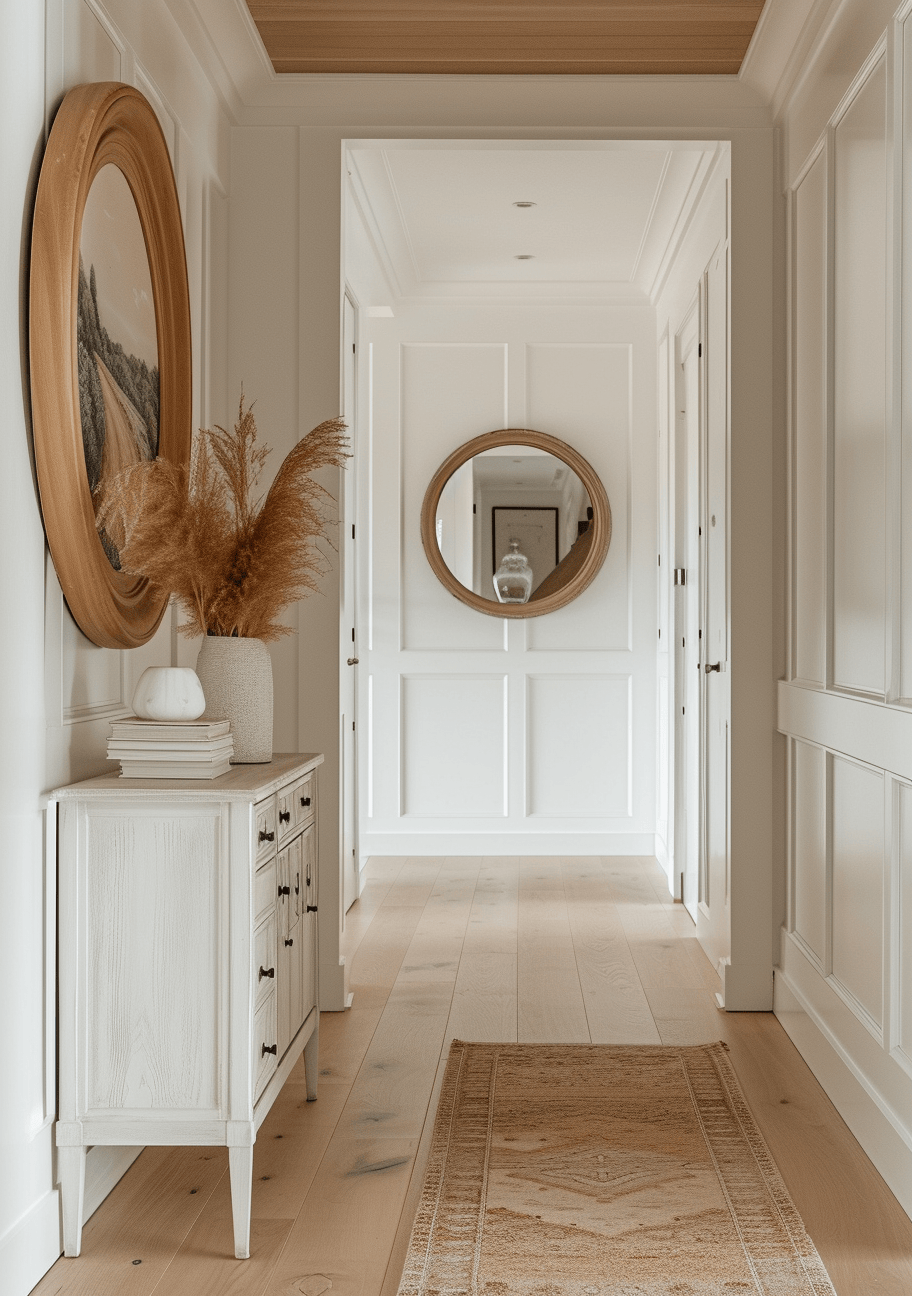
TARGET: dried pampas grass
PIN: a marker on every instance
(234, 562)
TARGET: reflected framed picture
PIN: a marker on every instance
(109, 334)
(536, 531)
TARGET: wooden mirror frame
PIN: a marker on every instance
(601, 522)
(96, 125)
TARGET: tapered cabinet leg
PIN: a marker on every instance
(71, 1171)
(240, 1170)
(312, 1062)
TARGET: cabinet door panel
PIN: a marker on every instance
(153, 915)
(265, 1051)
(264, 958)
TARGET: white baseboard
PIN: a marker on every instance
(29, 1249)
(512, 843)
(866, 1112)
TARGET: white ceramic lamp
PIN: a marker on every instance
(169, 693)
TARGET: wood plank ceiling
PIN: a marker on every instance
(602, 37)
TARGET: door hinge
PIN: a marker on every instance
(660, 560)
(353, 530)
(353, 634)
(700, 351)
(353, 725)
(680, 576)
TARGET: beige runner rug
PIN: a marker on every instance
(602, 1170)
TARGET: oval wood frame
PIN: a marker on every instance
(98, 124)
(601, 522)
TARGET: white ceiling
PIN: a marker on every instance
(442, 219)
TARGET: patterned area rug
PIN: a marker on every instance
(602, 1170)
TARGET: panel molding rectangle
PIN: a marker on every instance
(564, 778)
(453, 751)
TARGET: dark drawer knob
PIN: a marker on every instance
(289, 940)
(284, 890)
(305, 801)
(270, 1048)
(717, 666)
(266, 836)
(284, 816)
(311, 908)
(266, 972)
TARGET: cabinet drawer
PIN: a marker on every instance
(264, 890)
(265, 1045)
(266, 828)
(287, 819)
(304, 796)
(264, 958)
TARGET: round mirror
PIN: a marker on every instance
(515, 523)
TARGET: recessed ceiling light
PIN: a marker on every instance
(524, 203)
(524, 256)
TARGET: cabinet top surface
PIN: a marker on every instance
(241, 783)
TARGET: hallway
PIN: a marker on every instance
(481, 948)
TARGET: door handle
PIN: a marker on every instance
(717, 666)
(353, 661)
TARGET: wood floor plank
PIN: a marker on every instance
(345, 1232)
(657, 952)
(290, 1146)
(617, 1009)
(345, 1036)
(390, 1095)
(550, 1000)
(205, 1264)
(379, 956)
(145, 1218)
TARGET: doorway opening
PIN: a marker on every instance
(578, 288)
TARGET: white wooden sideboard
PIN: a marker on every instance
(187, 964)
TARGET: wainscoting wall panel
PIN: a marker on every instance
(487, 735)
(453, 746)
(846, 950)
(859, 314)
(857, 809)
(578, 745)
(810, 423)
(810, 902)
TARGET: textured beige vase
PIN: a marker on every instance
(236, 675)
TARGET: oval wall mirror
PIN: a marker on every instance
(515, 523)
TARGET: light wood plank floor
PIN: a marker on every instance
(550, 950)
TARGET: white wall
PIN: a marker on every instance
(843, 989)
(59, 691)
(491, 736)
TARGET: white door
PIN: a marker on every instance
(688, 667)
(713, 926)
(348, 637)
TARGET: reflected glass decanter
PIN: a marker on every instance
(513, 578)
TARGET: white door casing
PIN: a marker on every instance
(348, 633)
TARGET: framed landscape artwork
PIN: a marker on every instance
(110, 341)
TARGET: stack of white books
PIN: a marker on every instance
(172, 749)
